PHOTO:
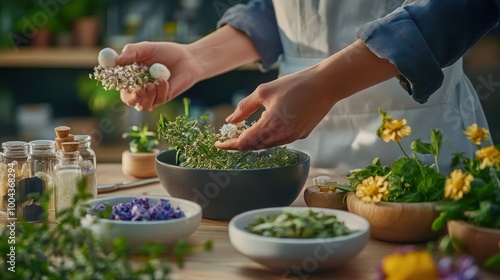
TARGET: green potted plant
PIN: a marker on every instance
(140, 160)
(38, 35)
(399, 200)
(85, 18)
(471, 211)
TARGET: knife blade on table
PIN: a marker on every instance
(118, 186)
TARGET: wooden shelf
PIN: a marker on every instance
(58, 58)
(49, 58)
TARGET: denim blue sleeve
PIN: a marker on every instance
(258, 20)
(424, 36)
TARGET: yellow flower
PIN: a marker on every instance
(372, 189)
(477, 134)
(413, 265)
(395, 130)
(489, 156)
(457, 184)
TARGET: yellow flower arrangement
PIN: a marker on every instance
(475, 192)
(407, 179)
(473, 188)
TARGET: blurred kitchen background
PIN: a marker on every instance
(49, 47)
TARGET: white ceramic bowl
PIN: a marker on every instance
(138, 232)
(293, 256)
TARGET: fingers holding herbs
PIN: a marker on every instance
(142, 86)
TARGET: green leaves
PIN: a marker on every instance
(409, 180)
(143, 140)
(433, 148)
(298, 224)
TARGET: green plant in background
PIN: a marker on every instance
(69, 251)
(10, 13)
(98, 100)
(194, 141)
(144, 141)
(75, 9)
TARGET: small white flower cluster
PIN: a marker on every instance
(233, 130)
(129, 77)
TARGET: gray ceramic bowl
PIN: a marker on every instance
(225, 193)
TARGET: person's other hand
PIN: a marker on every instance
(178, 60)
(294, 105)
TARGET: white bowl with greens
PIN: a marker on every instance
(295, 240)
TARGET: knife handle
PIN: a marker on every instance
(108, 187)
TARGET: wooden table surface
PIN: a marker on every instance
(224, 262)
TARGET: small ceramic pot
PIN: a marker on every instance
(139, 165)
(86, 31)
(397, 222)
(481, 243)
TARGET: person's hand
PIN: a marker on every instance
(294, 105)
(176, 57)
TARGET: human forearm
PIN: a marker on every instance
(221, 51)
(353, 69)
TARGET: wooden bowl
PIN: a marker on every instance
(397, 222)
(481, 243)
(139, 165)
(333, 200)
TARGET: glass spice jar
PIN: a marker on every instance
(67, 176)
(42, 160)
(87, 162)
(13, 167)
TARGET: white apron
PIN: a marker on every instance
(346, 138)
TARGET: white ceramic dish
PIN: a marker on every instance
(138, 232)
(293, 256)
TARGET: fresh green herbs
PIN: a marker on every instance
(69, 251)
(143, 140)
(194, 141)
(408, 179)
(479, 202)
(299, 224)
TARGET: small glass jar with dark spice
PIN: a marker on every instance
(42, 160)
(14, 167)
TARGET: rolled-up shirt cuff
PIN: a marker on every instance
(260, 27)
(397, 39)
